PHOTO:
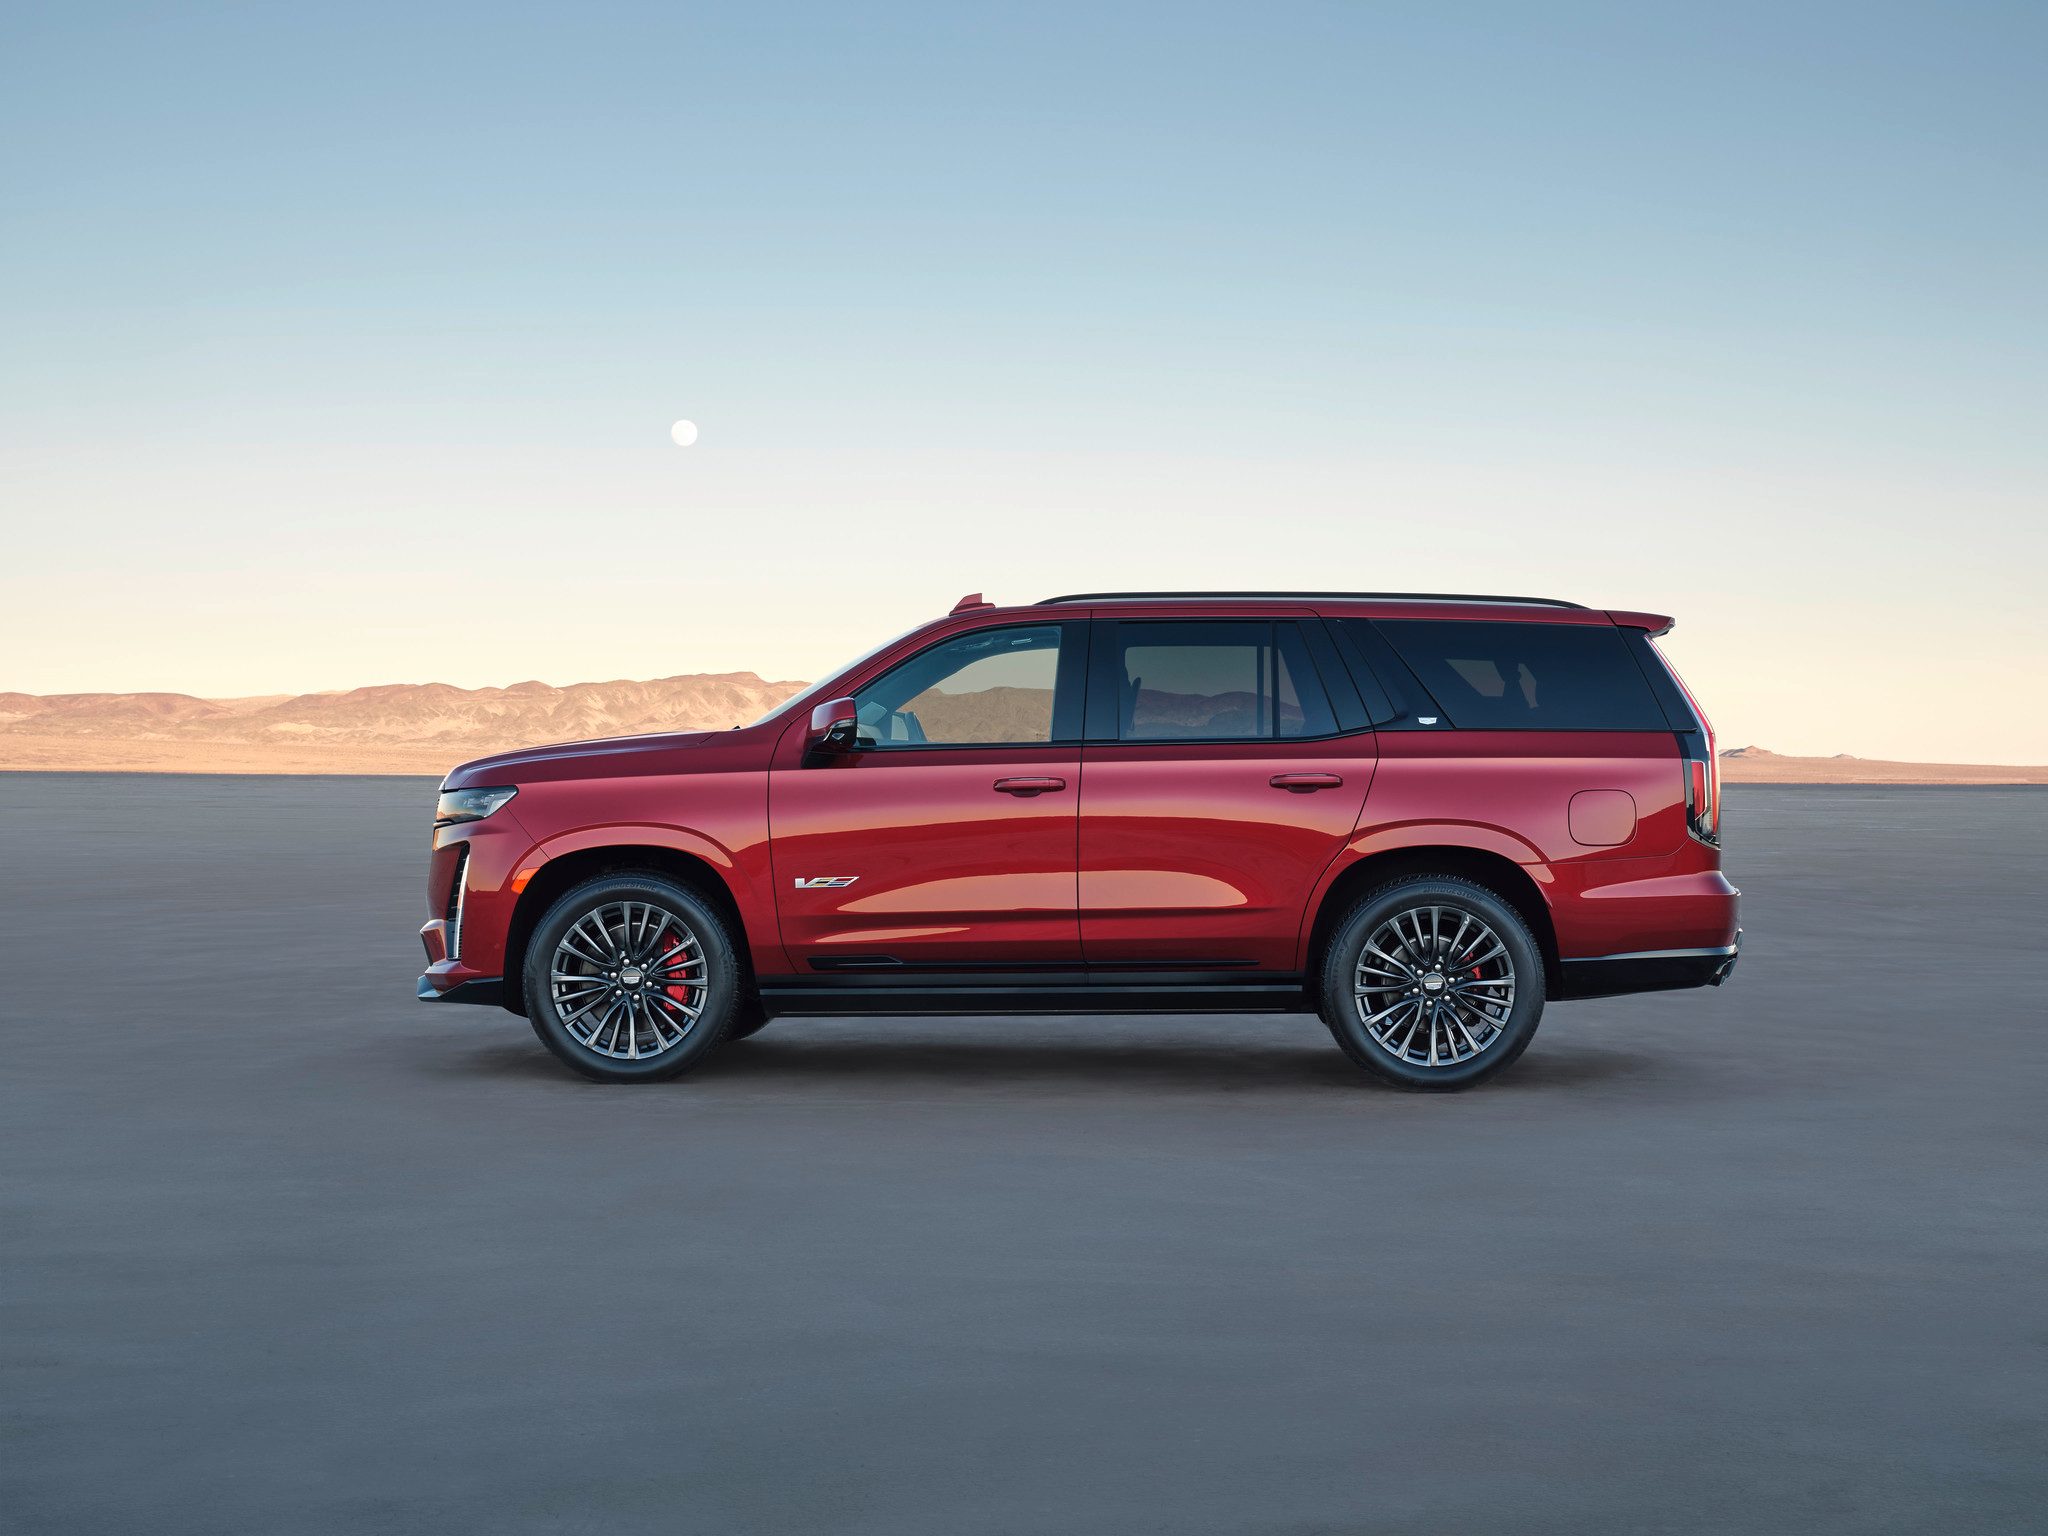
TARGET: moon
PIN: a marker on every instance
(683, 433)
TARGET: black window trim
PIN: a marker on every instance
(1068, 690)
(1347, 704)
(1394, 696)
(1104, 686)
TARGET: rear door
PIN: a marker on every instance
(1223, 776)
(947, 840)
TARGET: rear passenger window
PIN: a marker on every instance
(1527, 677)
(1216, 680)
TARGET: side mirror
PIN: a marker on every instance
(835, 726)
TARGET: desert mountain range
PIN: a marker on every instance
(393, 728)
(1755, 765)
(426, 728)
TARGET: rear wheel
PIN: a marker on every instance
(1433, 982)
(631, 978)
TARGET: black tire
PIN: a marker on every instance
(1476, 1035)
(595, 904)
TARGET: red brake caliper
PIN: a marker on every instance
(680, 990)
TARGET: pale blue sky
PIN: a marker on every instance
(339, 344)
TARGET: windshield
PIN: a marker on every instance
(825, 677)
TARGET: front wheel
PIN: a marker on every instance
(1433, 982)
(631, 978)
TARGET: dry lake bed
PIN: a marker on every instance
(282, 1250)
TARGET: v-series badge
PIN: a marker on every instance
(823, 882)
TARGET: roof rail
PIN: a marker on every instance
(1412, 597)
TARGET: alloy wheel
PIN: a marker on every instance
(628, 980)
(1435, 986)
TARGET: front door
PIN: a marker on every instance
(1220, 786)
(946, 840)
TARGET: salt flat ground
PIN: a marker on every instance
(285, 1251)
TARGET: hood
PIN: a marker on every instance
(565, 759)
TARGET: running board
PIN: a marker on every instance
(1024, 992)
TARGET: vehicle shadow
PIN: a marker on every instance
(871, 1058)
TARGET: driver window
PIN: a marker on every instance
(991, 687)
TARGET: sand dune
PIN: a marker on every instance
(427, 728)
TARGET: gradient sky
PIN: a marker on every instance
(339, 344)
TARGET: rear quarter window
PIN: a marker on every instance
(1527, 677)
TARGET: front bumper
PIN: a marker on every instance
(450, 981)
(487, 990)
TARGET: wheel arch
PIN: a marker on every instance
(569, 870)
(1510, 881)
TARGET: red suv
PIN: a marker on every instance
(1419, 817)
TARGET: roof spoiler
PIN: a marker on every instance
(1656, 623)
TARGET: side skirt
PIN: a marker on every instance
(1025, 992)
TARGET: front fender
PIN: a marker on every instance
(646, 834)
(744, 871)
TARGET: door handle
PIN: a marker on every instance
(1303, 783)
(1029, 786)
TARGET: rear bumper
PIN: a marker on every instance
(1657, 970)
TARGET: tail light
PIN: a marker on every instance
(1702, 772)
(1703, 795)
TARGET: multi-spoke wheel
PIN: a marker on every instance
(627, 980)
(630, 977)
(1433, 982)
(1434, 985)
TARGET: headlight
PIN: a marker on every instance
(469, 804)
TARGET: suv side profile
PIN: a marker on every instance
(1420, 817)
